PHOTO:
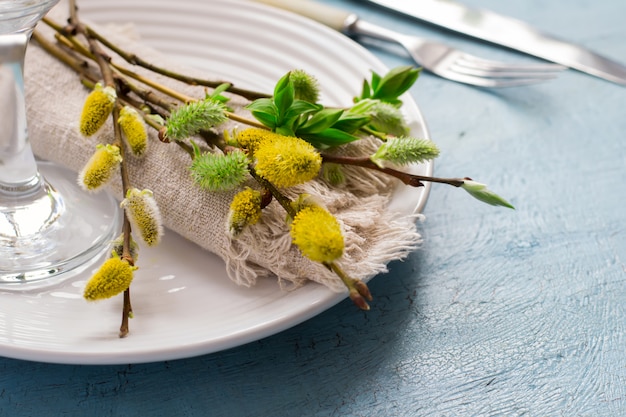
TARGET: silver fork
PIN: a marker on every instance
(450, 63)
(435, 57)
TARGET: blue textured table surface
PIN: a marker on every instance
(500, 312)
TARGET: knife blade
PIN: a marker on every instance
(508, 32)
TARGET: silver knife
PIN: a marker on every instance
(509, 32)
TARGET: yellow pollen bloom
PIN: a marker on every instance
(113, 277)
(144, 215)
(100, 167)
(245, 209)
(250, 138)
(134, 129)
(97, 108)
(317, 234)
(286, 161)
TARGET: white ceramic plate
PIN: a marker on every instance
(192, 308)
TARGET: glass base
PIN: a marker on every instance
(62, 231)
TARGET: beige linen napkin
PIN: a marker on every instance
(373, 235)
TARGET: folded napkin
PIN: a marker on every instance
(373, 235)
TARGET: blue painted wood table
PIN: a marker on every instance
(500, 313)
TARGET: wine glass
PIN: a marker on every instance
(50, 229)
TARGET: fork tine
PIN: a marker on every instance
(489, 65)
(482, 81)
(483, 72)
(504, 73)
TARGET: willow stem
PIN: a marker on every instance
(136, 60)
(280, 197)
(408, 179)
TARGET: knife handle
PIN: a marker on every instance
(330, 16)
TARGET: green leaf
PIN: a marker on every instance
(366, 91)
(375, 81)
(329, 137)
(350, 123)
(298, 110)
(321, 120)
(285, 130)
(283, 96)
(265, 105)
(217, 93)
(265, 111)
(301, 107)
(395, 83)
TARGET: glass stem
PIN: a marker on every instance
(18, 169)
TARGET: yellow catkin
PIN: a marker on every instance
(144, 215)
(245, 210)
(286, 161)
(317, 234)
(250, 138)
(97, 108)
(134, 129)
(100, 167)
(113, 277)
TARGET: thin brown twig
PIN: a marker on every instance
(407, 178)
(134, 59)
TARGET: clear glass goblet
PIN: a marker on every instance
(50, 229)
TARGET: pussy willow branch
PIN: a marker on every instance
(74, 44)
(118, 76)
(103, 60)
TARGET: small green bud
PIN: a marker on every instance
(405, 150)
(384, 117)
(480, 192)
(117, 246)
(333, 173)
(194, 117)
(305, 86)
(216, 172)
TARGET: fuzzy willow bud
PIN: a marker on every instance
(405, 150)
(250, 138)
(134, 129)
(217, 172)
(144, 215)
(100, 167)
(113, 277)
(97, 108)
(305, 86)
(317, 234)
(194, 117)
(245, 210)
(286, 161)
